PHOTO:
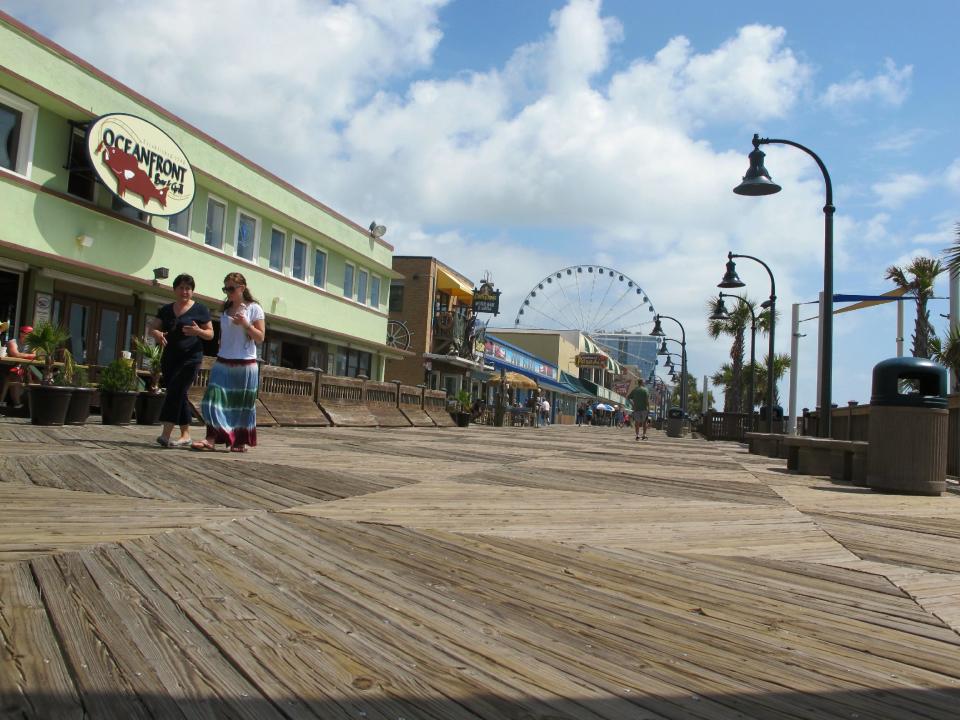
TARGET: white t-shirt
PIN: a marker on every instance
(235, 344)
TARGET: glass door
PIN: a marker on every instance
(79, 317)
(110, 334)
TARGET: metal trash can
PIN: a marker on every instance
(908, 427)
(674, 422)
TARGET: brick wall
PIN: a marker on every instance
(419, 279)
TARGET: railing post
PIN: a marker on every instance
(363, 388)
(397, 383)
(851, 404)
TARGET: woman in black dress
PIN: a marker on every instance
(179, 328)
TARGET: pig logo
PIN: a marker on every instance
(130, 176)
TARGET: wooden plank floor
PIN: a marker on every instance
(463, 573)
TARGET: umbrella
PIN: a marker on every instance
(604, 406)
(515, 380)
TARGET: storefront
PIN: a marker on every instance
(501, 355)
(107, 197)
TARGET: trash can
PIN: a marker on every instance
(908, 427)
(674, 422)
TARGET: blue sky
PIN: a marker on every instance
(523, 137)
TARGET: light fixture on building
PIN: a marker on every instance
(160, 273)
(84, 241)
(378, 231)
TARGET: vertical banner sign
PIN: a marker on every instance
(486, 299)
(140, 164)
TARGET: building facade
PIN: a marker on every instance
(73, 251)
(434, 304)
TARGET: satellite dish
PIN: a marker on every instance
(378, 231)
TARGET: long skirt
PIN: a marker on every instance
(229, 405)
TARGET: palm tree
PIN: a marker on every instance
(781, 363)
(735, 325)
(919, 277)
(947, 353)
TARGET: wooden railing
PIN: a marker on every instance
(339, 390)
(284, 381)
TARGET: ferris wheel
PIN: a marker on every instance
(594, 299)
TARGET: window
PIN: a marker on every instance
(319, 268)
(352, 363)
(180, 223)
(299, 264)
(374, 292)
(396, 296)
(119, 206)
(348, 280)
(216, 212)
(18, 122)
(248, 228)
(80, 181)
(278, 241)
(362, 276)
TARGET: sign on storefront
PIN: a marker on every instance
(591, 360)
(486, 299)
(140, 164)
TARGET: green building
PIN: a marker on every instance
(72, 251)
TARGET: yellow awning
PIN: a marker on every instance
(895, 293)
(459, 287)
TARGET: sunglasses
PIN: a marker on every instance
(229, 288)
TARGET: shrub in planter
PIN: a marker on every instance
(118, 392)
(150, 401)
(462, 413)
(76, 376)
(48, 400)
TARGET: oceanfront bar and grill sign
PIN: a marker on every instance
(141, 164)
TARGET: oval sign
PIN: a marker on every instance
(141, 164)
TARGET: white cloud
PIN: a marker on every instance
(896, 190)
(891, 87)
(952, 176)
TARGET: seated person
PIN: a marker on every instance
(17, 348)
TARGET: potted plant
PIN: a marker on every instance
(76, 377)
(48, 400)
(150, 401)
(118, 392)
(462, 414)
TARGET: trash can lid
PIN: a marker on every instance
(925, 382)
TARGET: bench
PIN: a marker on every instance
(839, 459)
(766, 444)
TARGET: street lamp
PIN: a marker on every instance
(658, 332)
(757, 182)
(732, 280)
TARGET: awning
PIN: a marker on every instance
(556, 387)
(592, 347)
(455, 360)
(450, 282)
(576, 384)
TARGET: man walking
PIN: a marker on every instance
(639, 397)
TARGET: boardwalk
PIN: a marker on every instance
(480, 573)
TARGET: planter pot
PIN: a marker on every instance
(79, 409)
(148, 407)
(116, 408)
(462, 419)
(49, 403)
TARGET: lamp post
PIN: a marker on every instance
(732, 280)
(658, 332)
(720, 313)
(757, 182)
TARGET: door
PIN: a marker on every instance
(110, 334)
(99, 332)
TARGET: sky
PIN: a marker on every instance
(520, 138)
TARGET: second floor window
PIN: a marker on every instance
(80, 181)
(299, 259)
(277, 242)
(180, 223)
(396, 296)
(374, 291)
(348, 280)
(246, 236)
(216, 212)
(319, 268)
(362, 276)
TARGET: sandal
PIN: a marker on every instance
(163, 442)
(202, 446)
(238, 448)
